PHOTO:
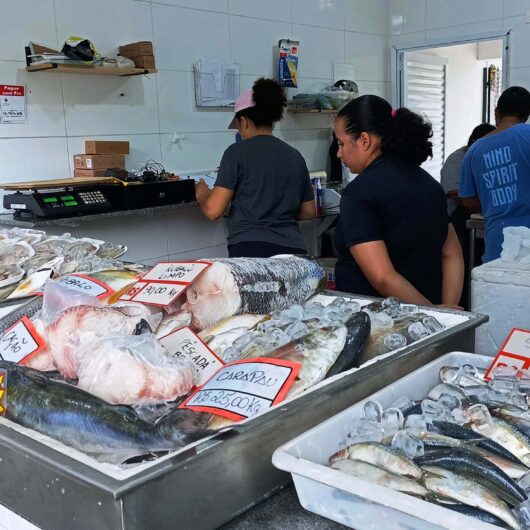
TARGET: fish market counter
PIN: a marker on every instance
(211, 481)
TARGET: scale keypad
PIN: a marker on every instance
(92, 197)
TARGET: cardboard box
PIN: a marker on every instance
(89, 172)
(99, 161)
(144, 61)
(103, 147)
(135, 49)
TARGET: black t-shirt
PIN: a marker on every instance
(270, 180)
(401, 204)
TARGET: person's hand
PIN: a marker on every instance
(202, 191)
(450, 306)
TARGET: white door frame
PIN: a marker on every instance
(397, 51)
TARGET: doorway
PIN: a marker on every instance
(455, 85)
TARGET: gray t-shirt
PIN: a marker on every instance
(270, 180)
(450, 176)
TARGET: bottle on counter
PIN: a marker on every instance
(317, 190)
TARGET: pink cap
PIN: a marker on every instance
(244, 101)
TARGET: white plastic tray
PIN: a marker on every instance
(356, 503)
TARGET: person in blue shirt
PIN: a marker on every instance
(496, 171)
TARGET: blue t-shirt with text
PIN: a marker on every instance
(497, 170)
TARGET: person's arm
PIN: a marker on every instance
(374, 261)
(308, 210)
(472, 204)
(214, 202)
(452, 269)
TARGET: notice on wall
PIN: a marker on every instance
(514, 352)
(243, 389)
(13, 104)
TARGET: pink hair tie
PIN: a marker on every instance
(394, 113)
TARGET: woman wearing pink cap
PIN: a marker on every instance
(264, 180)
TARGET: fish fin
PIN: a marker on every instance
(37, 377)
(473, 441)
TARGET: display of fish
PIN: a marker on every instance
(233, 286)
(89, 424)
(453, 486)
(171, 323)
(382, 477)
(246, 321)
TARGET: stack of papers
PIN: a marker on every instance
(216, 83)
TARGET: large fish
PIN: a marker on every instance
(89, 424)
(384, 478)
(233, 286)
(483, 471)
(453, 486)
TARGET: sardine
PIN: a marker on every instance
(453, 486)
(384, 456)
(513, 470)
(379, 476)
(247, 321)
(464, 461)
(358, 327)
(87, 423)
(476, 513)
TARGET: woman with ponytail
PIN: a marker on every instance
(264, 180)
(393, 235)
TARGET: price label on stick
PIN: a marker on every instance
(159, 294)
(20, 341)
(514, 352)
(87, 285)
(184, 343)
(245, 388)
(176, 271)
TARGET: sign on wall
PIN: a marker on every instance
(13, 104)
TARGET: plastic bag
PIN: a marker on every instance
(516, 244)
(15, 252)
(133, 370)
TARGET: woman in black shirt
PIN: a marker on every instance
(393, 235)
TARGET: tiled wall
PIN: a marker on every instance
(63, 110)
(416, 21)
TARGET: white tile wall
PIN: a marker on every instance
(269, 10)
(366, 17)
(513, 8)
(322, 13)
(406, 16)
(369, 54)
(446, 13)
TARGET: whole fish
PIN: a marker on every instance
(518, 418)
(462, 433)
(512, 469)
(221, 342)
(484, 472)
(476, 513)
(433, 440)
(358, 327)
(87, 423)
(379, 476)
(506, 435)
(384, 456)
(247, 321)
(453, 486)
(233, 286)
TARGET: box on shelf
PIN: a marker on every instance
(105, 147)
(89, 172)
(135, 49)
(99, 161)
(144, 61)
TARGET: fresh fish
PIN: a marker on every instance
(384, 456)
(247, 321)
(453, 486)
(79, 249)
(174, 322)
(517, 417)
(483, 442)
(406, 327)
(31, 284)
(433, 440)
(358, 327)
(87, 423)
(379, 476)
(111, 250)
(476, 513)
(233, 286)
(220, 342)
(512, 469)
(42, 261)
(507, 436)
(79, 326)
(464, 461)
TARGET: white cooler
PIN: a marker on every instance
(501, 290)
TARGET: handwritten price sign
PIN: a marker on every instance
(87, 285)
(184, 343)
(176, 271)
(245, 388)
(20, 341)
(159, 294)
(514, 352)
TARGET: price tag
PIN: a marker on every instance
(87, 285)
(159, 294)
(20, 341)
(245, 388)
(185, 343)
(176, 271)
(514, 352)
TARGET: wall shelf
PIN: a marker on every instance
(86, 69)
